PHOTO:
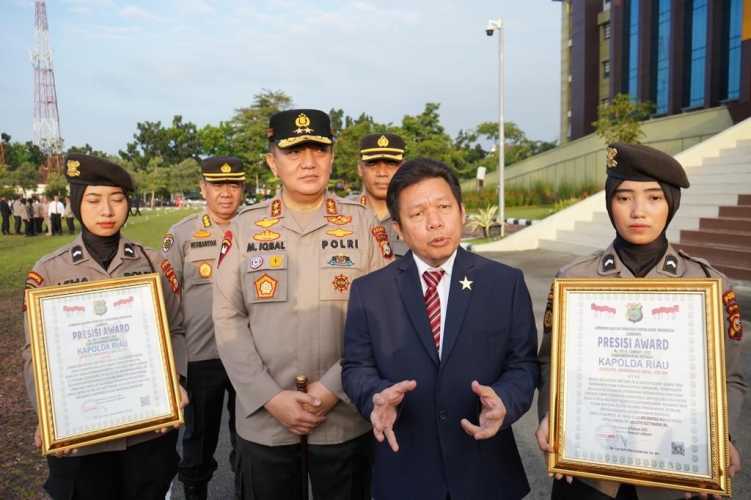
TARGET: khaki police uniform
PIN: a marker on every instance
(280, 299)
(72, 264)
(398, 246)
(192, 247)
(675, 264)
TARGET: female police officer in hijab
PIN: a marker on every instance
(643, 193)
(136, 467)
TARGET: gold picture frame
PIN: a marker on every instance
(91, 343)
(616, 404)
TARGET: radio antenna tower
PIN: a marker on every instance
(46, 126)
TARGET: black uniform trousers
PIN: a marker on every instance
(337, 471)
(17, 223)
(71, 226)
(6, 224)
(207, 383)
(141, 472)
(56, 222)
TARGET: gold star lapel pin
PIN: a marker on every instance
(466, 284)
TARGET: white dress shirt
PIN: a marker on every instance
(444, 286)
(55, 207)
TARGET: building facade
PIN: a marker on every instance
(681, 55)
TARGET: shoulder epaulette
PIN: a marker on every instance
(56, 253)
(581, 260)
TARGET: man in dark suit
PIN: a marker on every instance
(440, 353)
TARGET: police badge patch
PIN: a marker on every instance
(341, 283)
(167, 242)
(379, 233)
(733, 310)
(340, 261)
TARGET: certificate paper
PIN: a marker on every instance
(638, 383)
(103, 361)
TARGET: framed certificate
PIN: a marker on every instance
(102, 361)
(637, 383)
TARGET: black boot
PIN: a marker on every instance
(195, 491)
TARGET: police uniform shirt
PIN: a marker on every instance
(192, 247)
(72, 264)
(280, 299)
(675, 264)
(398, 246)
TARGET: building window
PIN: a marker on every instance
(606, 31)
(663, 57)
(698, 52)
(633, 50)
(734, 49)
(606, 69)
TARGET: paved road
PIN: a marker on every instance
(539, 267)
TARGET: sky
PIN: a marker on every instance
(121, 62)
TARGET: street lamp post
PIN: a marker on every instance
(493, 26)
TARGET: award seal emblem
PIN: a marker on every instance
(634, 313)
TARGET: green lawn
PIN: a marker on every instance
(19, 253)
(535, 212)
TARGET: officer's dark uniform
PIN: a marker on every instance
(642, 163)
(138, 467)
(389, 147)
(192, 246)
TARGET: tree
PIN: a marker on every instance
(87, 149)
(56, 185)
(517, 146)
(619, 120)
(185, 176)
(249, 139)
(155, 179)
(27, 176)
(217, 141)
(172, 144)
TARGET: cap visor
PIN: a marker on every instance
(293, 141)
(382, 156)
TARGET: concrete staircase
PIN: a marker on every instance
(724, 240)
(714, 220)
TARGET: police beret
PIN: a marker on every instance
(222, 169)
(95, 171)
(636, 162)
(385, 146)
(295, 126)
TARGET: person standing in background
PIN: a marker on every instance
(18, 210)
(69, 218)
(5, 212)
(55, 211)
(28, 218)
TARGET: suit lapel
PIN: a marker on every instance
(459, 298)
(408, 283)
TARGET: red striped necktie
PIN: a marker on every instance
(433, 303)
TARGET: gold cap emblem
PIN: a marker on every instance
(225, 169)
(73, 168)
(302, 120)
(612, 153)
(383, 141)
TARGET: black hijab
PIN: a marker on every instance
(640, 259)
(101, 248)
